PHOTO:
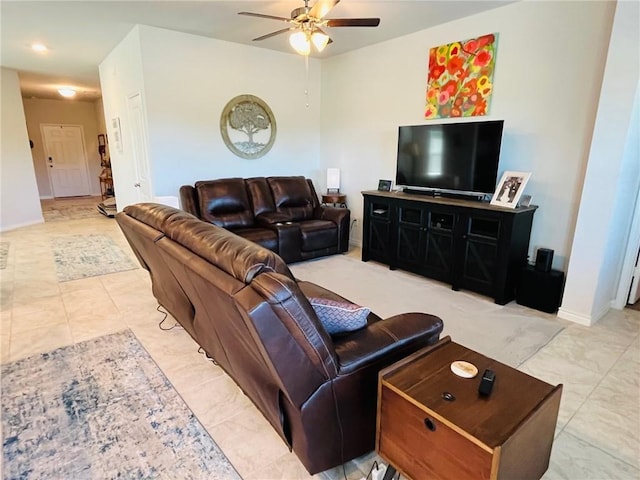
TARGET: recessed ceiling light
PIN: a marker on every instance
(38, 47)
(67, 92)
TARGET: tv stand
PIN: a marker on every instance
(469, 244)
(437, 194)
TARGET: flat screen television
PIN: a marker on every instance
(459, 158)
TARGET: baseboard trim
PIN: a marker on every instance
(582, 319)
(46, 197)
(574, 317)
(6, 228)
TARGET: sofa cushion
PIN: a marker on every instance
(339, 317)
(292, 197)
(260, 195)
(225, 203)
(318, 234)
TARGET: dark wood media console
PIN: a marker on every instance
(470, 244)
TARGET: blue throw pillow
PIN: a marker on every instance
(339, 317)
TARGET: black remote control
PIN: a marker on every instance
(486, 383)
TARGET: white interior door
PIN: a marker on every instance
(634, 293)
(139, 148)
(66, 160)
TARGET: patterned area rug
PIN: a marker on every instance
(101, 409)
(71, 212)
(82, 256)
(4, 254)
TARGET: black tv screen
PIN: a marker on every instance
(456, 157)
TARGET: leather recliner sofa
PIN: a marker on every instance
(280, 213)
(241, 304)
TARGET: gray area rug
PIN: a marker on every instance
(69, 212)
(82, 256)
(101, 409)
(510, 334)
(4, 254)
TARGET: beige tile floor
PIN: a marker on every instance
(598, 433)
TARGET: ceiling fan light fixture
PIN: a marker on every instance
(319, 40)
(39, 47)
(67, 92)
(300, 42)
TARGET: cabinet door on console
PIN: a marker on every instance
(425, 241)
(377, 231)
(439, 251)
(480, 254)
(412, 228)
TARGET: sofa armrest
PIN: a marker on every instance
(342, 218)
(370, 345)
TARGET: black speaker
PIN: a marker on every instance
(540, 290)
(544, 259)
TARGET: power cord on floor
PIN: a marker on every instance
(353, 224)
(202, 351)
(166, 315)
(377, 472)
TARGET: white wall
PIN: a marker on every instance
(186, 81)
(19, 205)
(605, 216)
(550, 59)
(121, 76)
(67, 112)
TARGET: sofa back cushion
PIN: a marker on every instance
(225, 203)
(292, 197)
(260, 195)
(166, 288)
(236, 256)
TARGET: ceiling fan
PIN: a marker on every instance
(307, 24)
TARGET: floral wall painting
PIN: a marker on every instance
(460, 79)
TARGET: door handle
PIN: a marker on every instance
(137, 185)
(50, 160)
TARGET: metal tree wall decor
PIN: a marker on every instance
(248, 126)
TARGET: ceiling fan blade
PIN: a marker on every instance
(261, 15)
(322, 7)
(353, 22)
(272, 34)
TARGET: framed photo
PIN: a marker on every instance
(384, 185)
(510, 189)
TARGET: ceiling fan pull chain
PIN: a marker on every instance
(306, 88)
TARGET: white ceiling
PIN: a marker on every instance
(80, 34)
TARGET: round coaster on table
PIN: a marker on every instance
(464, 369)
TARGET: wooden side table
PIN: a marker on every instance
(424, 433)
(335, 199)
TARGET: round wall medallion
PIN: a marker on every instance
(248, 126)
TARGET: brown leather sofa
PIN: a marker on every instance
(280, 213)
(240, 302)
